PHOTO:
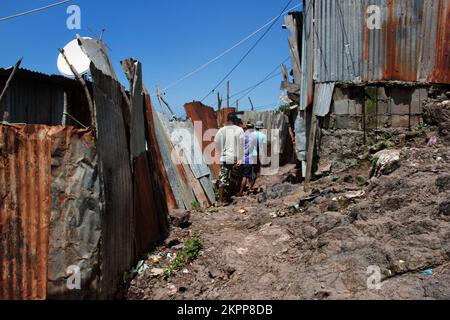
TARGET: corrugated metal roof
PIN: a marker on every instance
(412, 44)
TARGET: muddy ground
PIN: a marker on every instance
(323, 247)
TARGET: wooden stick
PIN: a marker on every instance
(251, 103)
(228, 94)
(311, 147)
(11, 76)
(219, 101)
(84, 85)
(164, 101)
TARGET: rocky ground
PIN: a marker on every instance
(327, 243)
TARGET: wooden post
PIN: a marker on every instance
(311, 147)
(228, 94)
(251, 103)
(66, 110)
(162, 101)
(5, 89)
(84, 85)
(237, 105)
(219, 101)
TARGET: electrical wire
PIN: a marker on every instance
(34, 10)
(207, 64)
(248, 52)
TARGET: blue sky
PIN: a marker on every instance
(170, 37)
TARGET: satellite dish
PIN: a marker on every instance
(77, 58)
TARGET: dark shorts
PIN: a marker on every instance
(248, 171)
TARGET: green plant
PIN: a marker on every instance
(196, 205)
(284, 108)
(191, 251)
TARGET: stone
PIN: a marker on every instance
(444, 208)
(180, 218)
(443, 183)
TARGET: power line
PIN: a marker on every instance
(204, 66)
(34, 10)
(270, 76)
(248, 52)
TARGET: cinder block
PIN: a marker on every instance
(400, 121)
(341, 107)
(348, 122)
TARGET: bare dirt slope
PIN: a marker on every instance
(321, 248)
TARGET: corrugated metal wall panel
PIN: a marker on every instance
(75, 227)
(25, 203)
(116, 180)
(200, 113)
(412, 44)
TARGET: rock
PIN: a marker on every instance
(277, 191)
(443, 183)
(444, 208)
(334, 205)
(349, 179)
(361, 181)
(171, 242)
(267, 279)
(180, 218)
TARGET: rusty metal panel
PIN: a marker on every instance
(116, 181)
(156, 162)
(25, 203)
(75, 225)
(149, 215)
(222, 116)
(201, 114)
(412, 44)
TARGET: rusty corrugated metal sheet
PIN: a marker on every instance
(198, 112)
(412, 44)
(222, 116)
(25, 203)
(158, 170)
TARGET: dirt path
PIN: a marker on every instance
(281, 248)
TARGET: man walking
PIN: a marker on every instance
(260, 150)
(229, 145)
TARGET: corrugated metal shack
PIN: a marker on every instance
(354, 74)
(94, 199)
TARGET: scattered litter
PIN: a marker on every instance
(243, 211)
(155, 259)
(156, 272)
(388, 161)
(172, 289)
(433, 141)
(185, 271)
(428, 272)
(355, 194)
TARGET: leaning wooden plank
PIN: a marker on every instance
(85, 88)
(311, 147)
(8, 82)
